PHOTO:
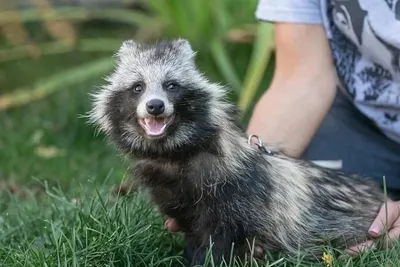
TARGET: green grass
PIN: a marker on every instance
(85, 227)
(74, 220)
(88, 226)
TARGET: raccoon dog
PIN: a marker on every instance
(189, 149)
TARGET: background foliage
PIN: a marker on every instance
(53, 53)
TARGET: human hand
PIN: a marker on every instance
(377, 227)
(172, 225)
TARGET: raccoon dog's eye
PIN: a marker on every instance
(137, 87)
(171, 86)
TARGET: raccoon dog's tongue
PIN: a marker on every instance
(155, 126)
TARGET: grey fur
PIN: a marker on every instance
(214, 183)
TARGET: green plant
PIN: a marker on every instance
(218, 30)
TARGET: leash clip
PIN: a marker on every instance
(259, 144)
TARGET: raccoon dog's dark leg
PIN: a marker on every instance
(196, 249)
(192, 254)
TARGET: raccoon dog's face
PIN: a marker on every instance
(156, 100)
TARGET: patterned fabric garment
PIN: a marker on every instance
(365, 40)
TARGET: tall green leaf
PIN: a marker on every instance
(57, 47)
(262, 50)
(50, 85)
(225, 64)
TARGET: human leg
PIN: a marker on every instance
(349, 136)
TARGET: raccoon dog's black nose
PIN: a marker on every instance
(155, 107)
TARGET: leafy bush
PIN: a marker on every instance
(232, 47)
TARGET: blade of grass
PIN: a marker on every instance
(204, 17)
(180, 17)
(161, 9)
(57, 47)
(225, 65)
(50, 85)
(263, 48)
(221, 16)
(183, 18)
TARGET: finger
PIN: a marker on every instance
(377, 226)
(354, 250)
(394, 233)
(172, 225)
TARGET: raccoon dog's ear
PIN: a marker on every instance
(184, 47)
(127, 46)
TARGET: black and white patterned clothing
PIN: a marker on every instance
(364, 36)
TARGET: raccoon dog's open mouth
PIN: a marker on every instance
(156, 126)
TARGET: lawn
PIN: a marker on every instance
(57, 204)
